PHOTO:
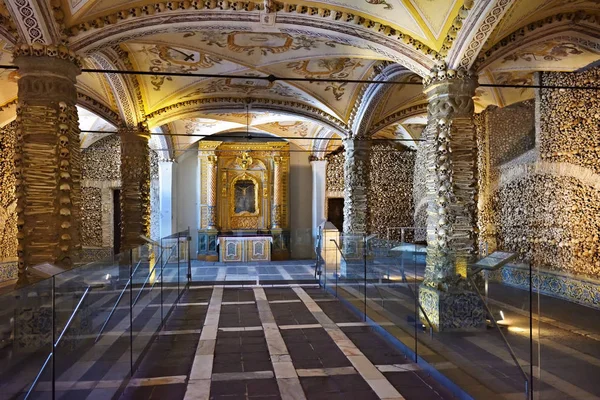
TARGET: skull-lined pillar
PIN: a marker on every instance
(451, 181)
(356, 185)
(135, 185)
(47, 157)
(211, 192)
(277, 193)
(356, 180)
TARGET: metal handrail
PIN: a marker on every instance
(149, 275)
(162, 267)
(117, 303)
(339, 249)
(55, 344)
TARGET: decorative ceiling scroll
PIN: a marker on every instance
(34, 21)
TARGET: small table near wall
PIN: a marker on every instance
(245, 247)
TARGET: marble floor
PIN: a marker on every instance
(291, 270)
(274, 343)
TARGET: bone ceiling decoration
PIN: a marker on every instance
(506, 40)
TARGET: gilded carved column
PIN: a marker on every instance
(356, 179)
(451, 182)
(135, 185)
(211, 192)
(277, 192)
(47, 157)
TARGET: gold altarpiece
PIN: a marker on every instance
(243, 201)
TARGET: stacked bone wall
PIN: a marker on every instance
(420, 189)
(548, 208)
(8, 215)
(504, 136)
(390, 197)
(154, 197)
(390, 200)
(101, 176)
(335, 173)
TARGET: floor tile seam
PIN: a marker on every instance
(204, 356)
(348, 348)
(285, 373)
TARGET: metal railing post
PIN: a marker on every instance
(53, 352)
(131, 312)
(178, 266)
(365, 272)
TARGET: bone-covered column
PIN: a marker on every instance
(446, 296)
(277, 193)
(211, 192)
(135, 185)
(47, 157)
(451, 173)
(356, 179)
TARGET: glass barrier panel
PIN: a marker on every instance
(147, 301)
(92, 321)
(481, 325)
(566, 322)
(25, 341)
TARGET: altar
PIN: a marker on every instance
(243, 201)
(245, 248)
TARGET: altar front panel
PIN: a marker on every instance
(245, 249)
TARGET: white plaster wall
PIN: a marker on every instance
(300, 202)
(186, 193)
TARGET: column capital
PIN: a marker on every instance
(450, 92)
(46, 75)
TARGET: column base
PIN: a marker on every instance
(460, 311)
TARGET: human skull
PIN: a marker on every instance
(62, 106)
(451, 73)
(65, 200)
(64, 141)
(441, 74)
(65, 225)
(63, 52)
(443, 149)
(64, 165)
(65, 187)
(38, 49)
(63, 118)
(442, 122)
(51, 51)
(65, 236)
(17, 173)
(24, 50)
(65, 175)
(64, 152)
(65, 211)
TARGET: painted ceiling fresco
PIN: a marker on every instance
(249, 54)
(240, 51)
(425, 20)
(293, 129)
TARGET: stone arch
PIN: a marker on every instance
(391, 45)
(187, 109)
(373, 95)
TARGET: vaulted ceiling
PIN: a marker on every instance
(506, 41)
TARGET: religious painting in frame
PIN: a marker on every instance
(245, 199)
